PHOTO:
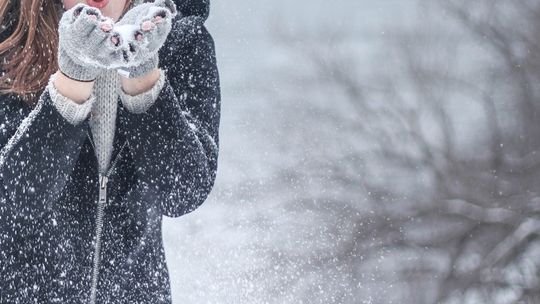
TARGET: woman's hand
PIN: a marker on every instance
(86, 43)
(144, 30)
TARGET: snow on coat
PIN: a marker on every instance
(165, 164)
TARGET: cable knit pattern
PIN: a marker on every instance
(142, 102)
(103, 119)
(73, 112)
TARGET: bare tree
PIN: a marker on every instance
(431, 155)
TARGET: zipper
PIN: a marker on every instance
(102, 200)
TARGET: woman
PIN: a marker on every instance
(98, 142)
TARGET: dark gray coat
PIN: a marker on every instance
(165, 163)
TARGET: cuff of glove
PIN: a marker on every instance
(75, 71)
(140, 70)
(73, 112)
(142, 102)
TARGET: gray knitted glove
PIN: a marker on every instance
(87, 43)
(144, 30)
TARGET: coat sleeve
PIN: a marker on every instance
(38, 152)
(175, 142)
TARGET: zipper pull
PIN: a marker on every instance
(103, 188)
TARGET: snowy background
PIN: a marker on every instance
(370, 152)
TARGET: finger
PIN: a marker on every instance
(161, 18)
(87, 21)
(158, 14)
(72, 14)
(168, 4)
(134, 43)
(100, 33)
(147, 26)
(115, 40)
(76, 10)
(106, 27)
(162, 14)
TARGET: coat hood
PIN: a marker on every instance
(200, 8)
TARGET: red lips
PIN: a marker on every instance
(98, 3)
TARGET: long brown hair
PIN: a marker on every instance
(28, 56)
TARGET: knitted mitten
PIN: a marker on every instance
(87, 43)
(144, 30)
